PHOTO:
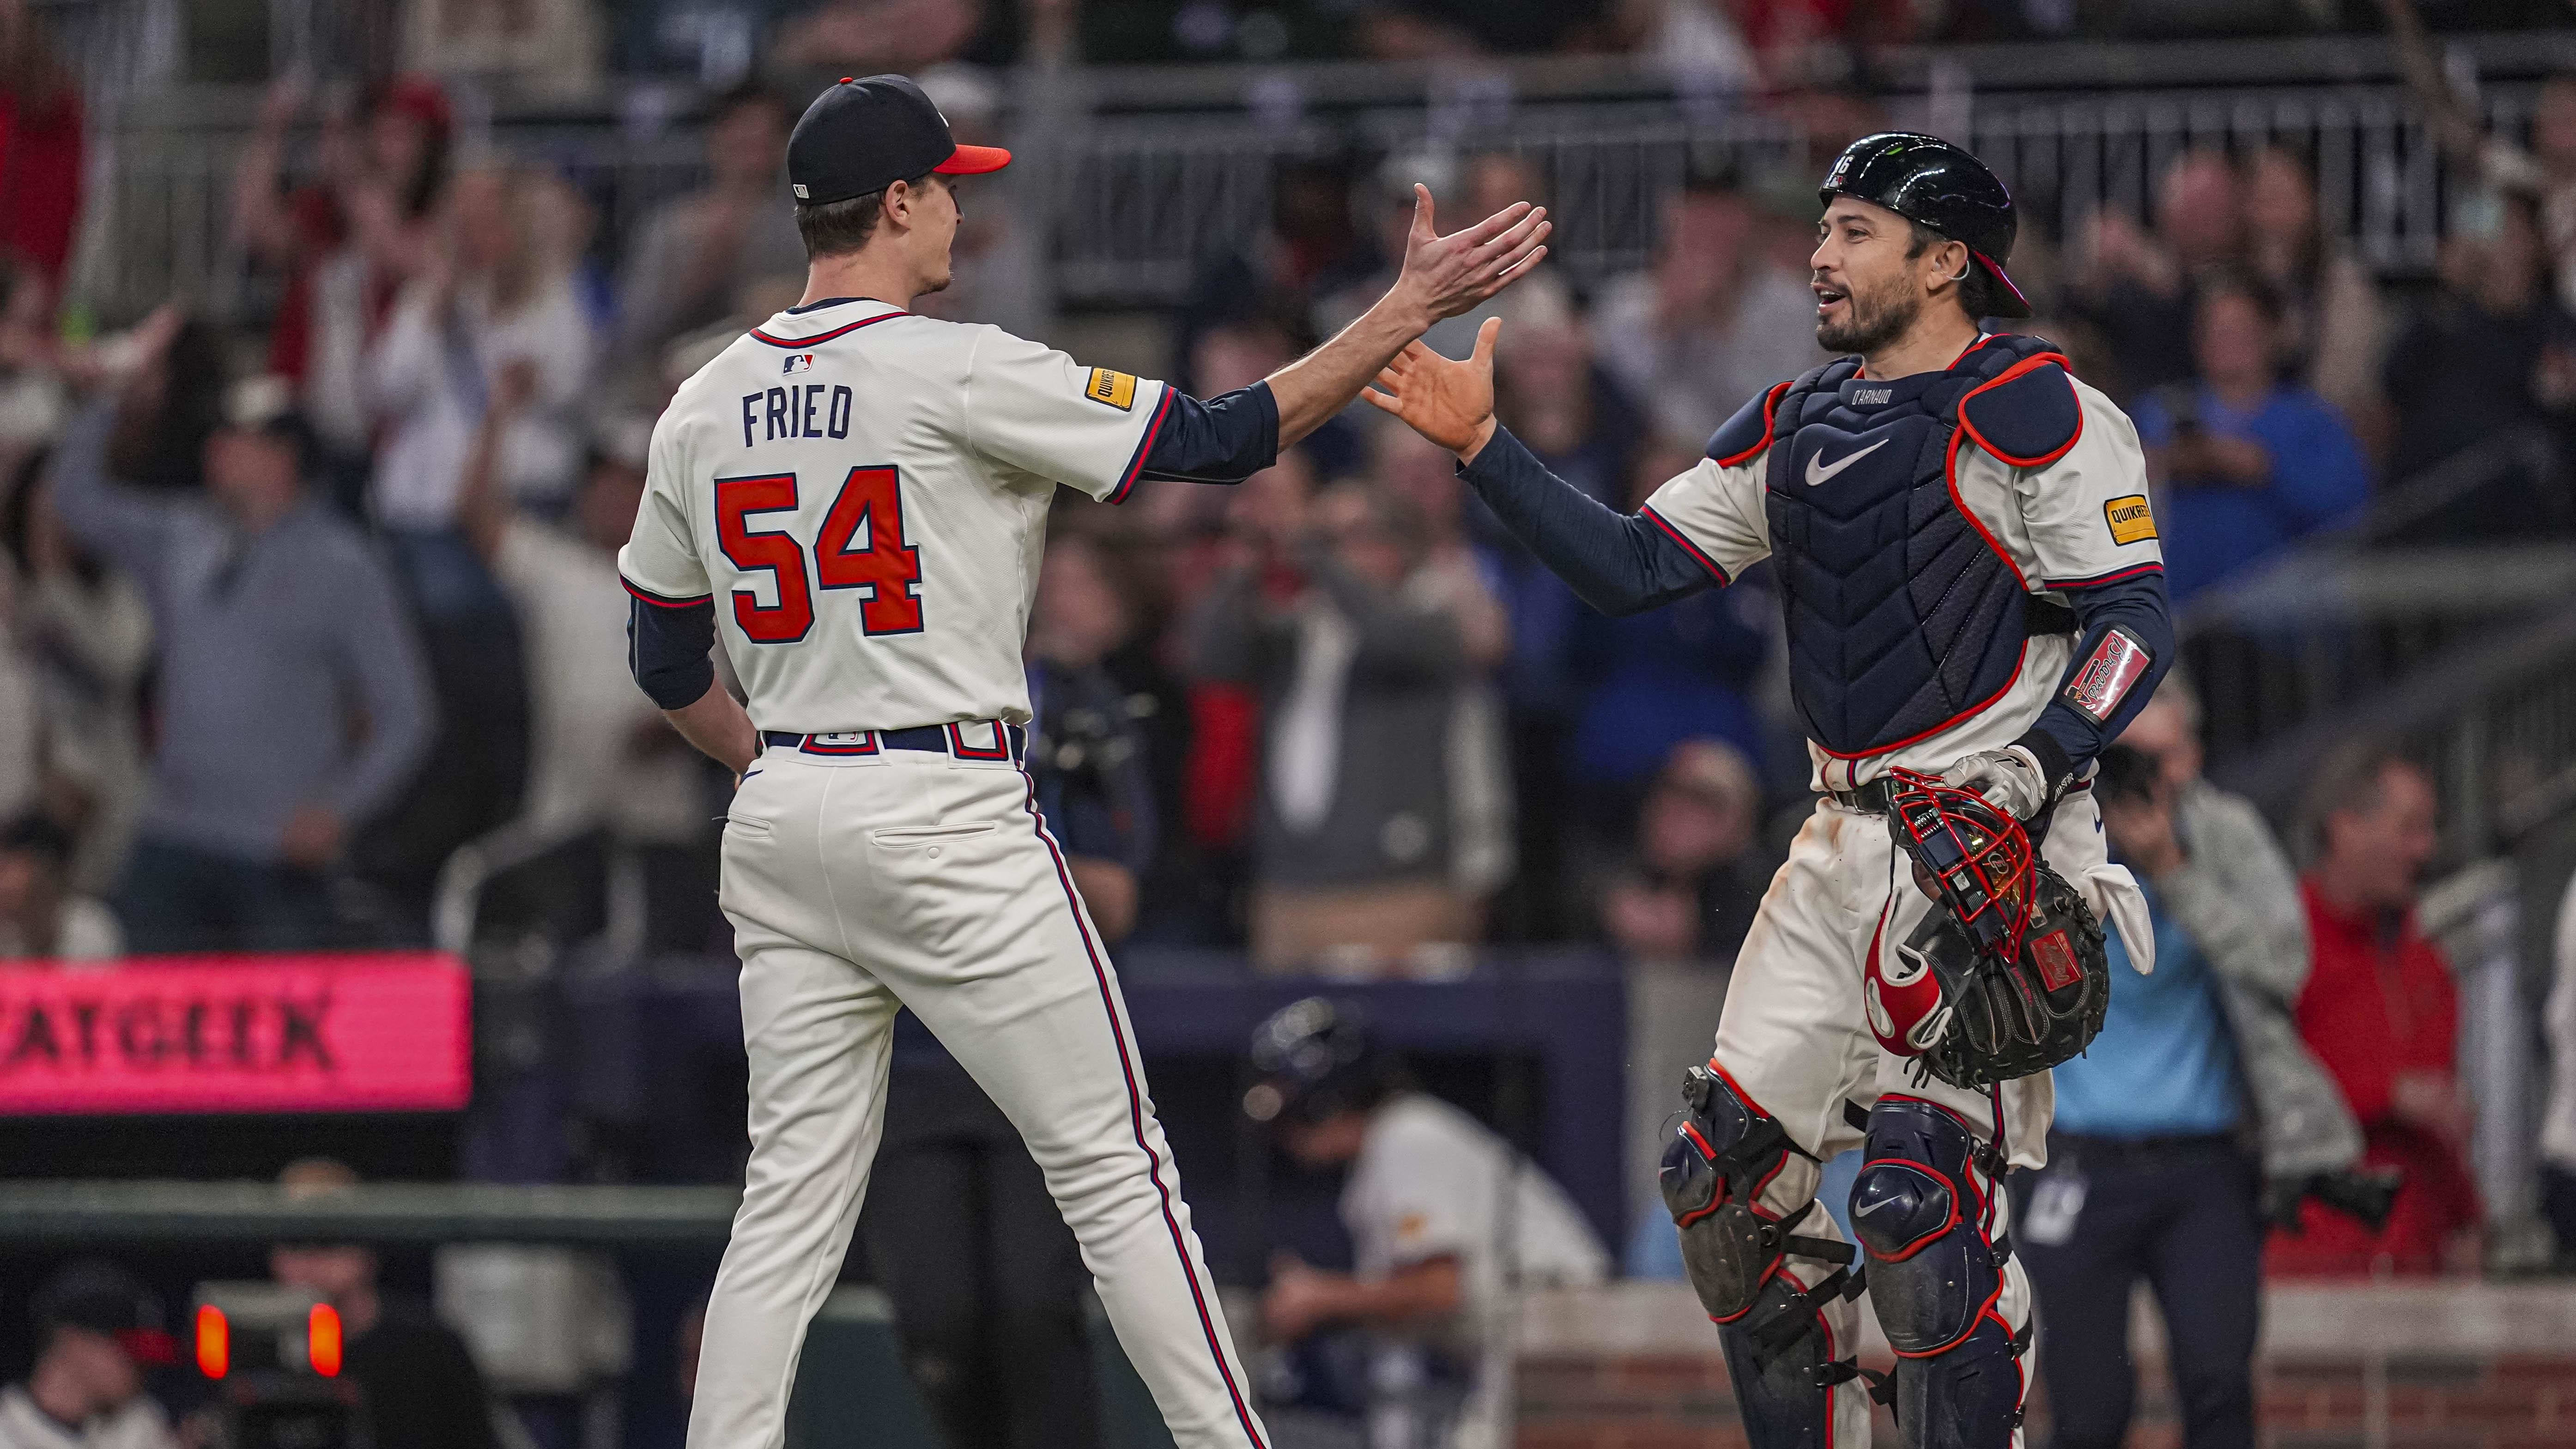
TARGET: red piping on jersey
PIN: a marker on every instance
(1144, 445)
(1961, 717)
(2018, 369)
(1675, 534)
(1770, 417)
(2113, 577)
(1136, 1115)
(664, 601)
(759, 336)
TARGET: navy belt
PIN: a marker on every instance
(981, 739)
(1871, 799)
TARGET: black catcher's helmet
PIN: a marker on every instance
(1318, 1058)
(1926, 179)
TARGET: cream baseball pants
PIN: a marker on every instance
(858, 885)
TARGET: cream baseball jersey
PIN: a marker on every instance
(863, 494)
(2077, 520)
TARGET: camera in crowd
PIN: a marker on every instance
(274, 1353)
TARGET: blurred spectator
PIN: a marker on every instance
(41, 170)
(1365, 850)
(1386, 203)
(987, 1281)
(2231, 891)
(2138, 287)
(2490, 357)
(2333, 324)
(1650, 681)
(86, 632)
(2381, 1013)
(494, 309)
(32, 400)
(2558, 1120)
(2544, 171)
(2246, 464)
(1689, 890)
(1712, 324)
(1313, 248)
(1094, 784)
(1002, 273)
(421, 1386)
(600, 755)
(2148, 1176)
(289, 674)
(97, 1329)
(346, 242)
(693, 254)
(1446, 1218)
(528, 46)
(865, 36)
(41, 917)
(1456, 573)
(1695, 40)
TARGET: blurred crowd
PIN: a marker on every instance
(298, 604)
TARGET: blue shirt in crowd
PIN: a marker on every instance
(2164, 1065)
(2211, 527)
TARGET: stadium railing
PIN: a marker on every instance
(1152, 171)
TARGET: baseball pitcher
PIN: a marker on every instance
(857, 498)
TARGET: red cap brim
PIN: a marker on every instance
(974, 161)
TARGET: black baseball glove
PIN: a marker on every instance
(2024, 980)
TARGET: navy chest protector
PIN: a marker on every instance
(1903, 616)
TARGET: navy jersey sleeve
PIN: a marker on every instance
(1619, 563)
(1222, 440)
(2112, 677)
(669, 648)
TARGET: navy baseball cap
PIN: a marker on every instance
(864, 135)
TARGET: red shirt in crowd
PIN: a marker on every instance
(2379, 1004)
(40, 178)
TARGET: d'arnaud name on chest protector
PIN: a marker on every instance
(1904, 617)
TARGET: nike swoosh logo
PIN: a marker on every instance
(1817, 472)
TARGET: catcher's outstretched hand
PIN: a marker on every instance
(1447, 275)
(1448, 401)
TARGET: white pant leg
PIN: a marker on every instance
(1792, 1039)
(818, 1032)
(935, 874)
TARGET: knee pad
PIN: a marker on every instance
(1921, 1212)
(1723, 1154)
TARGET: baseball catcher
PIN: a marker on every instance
(1960, 535)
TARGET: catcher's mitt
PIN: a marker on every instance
(2007, 975)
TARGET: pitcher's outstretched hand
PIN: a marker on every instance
(1447, 275)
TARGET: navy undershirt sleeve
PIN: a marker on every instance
(668, 649)
(1619, 563)
(1222, 440)
(2065, 738)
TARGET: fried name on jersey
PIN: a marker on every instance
(806, 410)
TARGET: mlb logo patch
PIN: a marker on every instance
(802, 362)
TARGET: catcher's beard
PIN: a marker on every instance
(1877, 316)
